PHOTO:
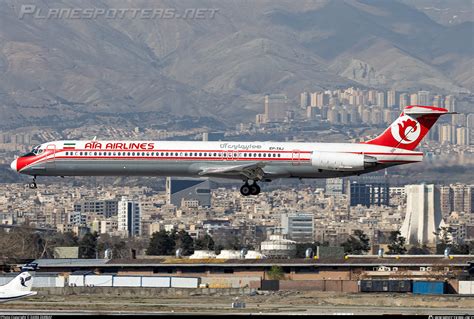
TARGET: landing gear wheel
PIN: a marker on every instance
(32, 185)
(245, 189)
(254, 189)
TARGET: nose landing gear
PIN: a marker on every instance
(247, 189)
(33, 185)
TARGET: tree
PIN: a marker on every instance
(204, 243)
(356, 244)
(120, 248)
(302, 247)
(397, 244)
(276, 273)
(51, 241)
(462, 249)
(185, 242)
(417, 250)
(232, 242)
(161, 244)
(88, 245)
(443, 235)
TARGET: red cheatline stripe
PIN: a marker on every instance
(183, 158)
(194, 151)
(170, 158)
(377, 153)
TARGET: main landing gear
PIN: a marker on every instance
(33, 185)
(247, 189)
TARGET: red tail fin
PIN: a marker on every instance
(410, 127)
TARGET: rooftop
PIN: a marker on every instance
(432, 260)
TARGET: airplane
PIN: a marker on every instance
(19, 287)
(246, 161)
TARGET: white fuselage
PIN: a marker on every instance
(213, 159)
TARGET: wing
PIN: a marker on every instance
(246, 171)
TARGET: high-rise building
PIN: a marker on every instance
(298, 227)
(389, 116)
(304, 100)
(78, 218)
(459, 119)
(403, 100)
(333, 116)
(129, 217)
(344, 116)
(438, 101)
(335, 186)
(424, 98)
(322, 99)
(423, 215)
(446, 200)
(276, 106)
(260, 119)
(462, 198)
(446, 134)
(376, 117)
(372, 97)
(413, 99)
(313, 99)
(187, 189)
(381, 101)
(369, 194)
(392, 98)
(470, 121)
(105, 208)
(450, 103)
(462, 136)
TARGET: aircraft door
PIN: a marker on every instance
(51, 154)
(295, 157)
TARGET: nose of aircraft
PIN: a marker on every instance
(13, 165)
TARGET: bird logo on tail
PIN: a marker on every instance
(24, 280)
(406, 130)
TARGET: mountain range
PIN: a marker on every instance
(62, 70)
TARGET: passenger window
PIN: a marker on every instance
(67, 153)
(200, 154)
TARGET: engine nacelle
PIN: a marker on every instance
(347, 162)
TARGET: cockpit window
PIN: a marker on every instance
(35, 151)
